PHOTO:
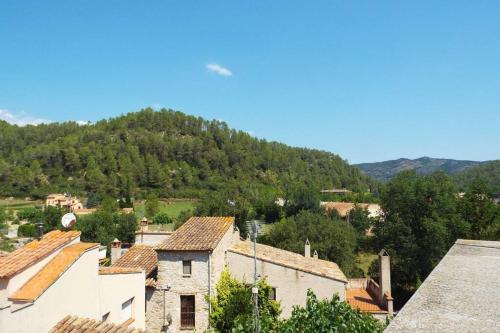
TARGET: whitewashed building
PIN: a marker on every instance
(48, 279)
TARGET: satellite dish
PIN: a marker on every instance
(68, 220)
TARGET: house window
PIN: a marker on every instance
(187, 311)
(105, 316)
(186, 267)
(127, 309)
(272, 294)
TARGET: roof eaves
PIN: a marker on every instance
(287, 265)
(32, 300)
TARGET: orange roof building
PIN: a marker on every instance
(45, 279)
(198, 234)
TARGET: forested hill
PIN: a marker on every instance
(167, 152)
(423, 166)
(488, 172)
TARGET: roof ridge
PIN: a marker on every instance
(32, 289)
(27, 255)
(198, 233)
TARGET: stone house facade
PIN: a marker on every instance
(190, 263)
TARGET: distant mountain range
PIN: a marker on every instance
(425, 165)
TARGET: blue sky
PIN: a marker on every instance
(368, 80)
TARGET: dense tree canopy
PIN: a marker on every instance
(166, 152)
(423, 217)
(489, 173)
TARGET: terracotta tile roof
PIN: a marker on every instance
(292, 260)
(34, 251)
(198, 234)
(362, 300)
(49, 274)
(74, 324)
(139, 256)
(119, 270)
(151, 282)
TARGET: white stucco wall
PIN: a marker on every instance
(75, 292)
(151, 238)
(218, 256)
(78, 291)
(9, 286)
(116, 289)
(291, 284)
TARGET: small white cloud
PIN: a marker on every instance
(82, 122)
(218, 69)
(21, 119)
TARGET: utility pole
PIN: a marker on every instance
(255, 289)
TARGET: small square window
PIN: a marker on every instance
(186, 267)
(127, 309)
(272, 294)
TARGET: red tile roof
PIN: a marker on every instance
(198, 234)
(362, 300)
(34, 251)
(290, 259)
(139, 256)
(49, 274)
(74, 324)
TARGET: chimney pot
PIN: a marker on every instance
(385, 278)
(307, 249)
(116, 250)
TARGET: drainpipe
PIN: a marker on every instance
(209, 283)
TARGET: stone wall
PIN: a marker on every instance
(164, 304)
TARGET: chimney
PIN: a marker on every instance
(39, 230)
(307, 249)
(385, 295)
(144, 224)
(315, 255)
(116, 250)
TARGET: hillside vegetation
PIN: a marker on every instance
(488, 172)
(423, 166)
(166, 152)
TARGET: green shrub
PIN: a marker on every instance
(162, 218)
(27, 230)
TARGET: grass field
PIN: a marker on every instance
(364, 260)
(172, 208)
(18, 203)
